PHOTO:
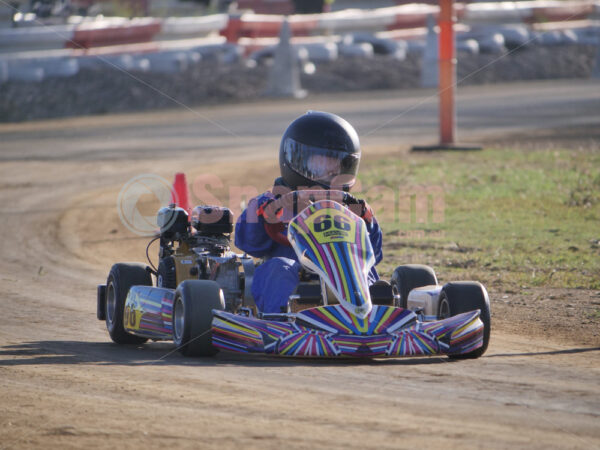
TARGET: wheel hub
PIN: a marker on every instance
(444, 309)
(178, 320)
(111, 303)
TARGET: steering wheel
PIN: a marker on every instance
(279, 212)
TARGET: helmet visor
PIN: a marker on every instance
(321, 165)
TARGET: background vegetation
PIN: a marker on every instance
(509, 218)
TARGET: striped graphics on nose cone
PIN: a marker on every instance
(333, 241)
(330, 331)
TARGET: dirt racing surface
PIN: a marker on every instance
(63, 384)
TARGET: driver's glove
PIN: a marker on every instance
(359, 207)
(268, 213)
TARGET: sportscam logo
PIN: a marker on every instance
(142, 196)
(139, 200)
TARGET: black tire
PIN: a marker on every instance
(409, 276)
(382, 293)
(166, 276)
(464, 296)
(120, 279)
(192, 316)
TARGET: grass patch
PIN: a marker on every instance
(509, 218)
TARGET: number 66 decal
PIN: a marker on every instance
(324, 223)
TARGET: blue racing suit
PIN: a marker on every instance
(276, 279)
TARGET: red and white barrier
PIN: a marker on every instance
(179, 27)
(98, 34)
(529, 11)
(412, 15)
(263, 25)
(109, 31)
(118, 31)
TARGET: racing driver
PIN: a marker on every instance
(319, 150)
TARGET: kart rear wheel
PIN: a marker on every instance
(410, 276)
(192, 316)
(464, 296)
(121, 278)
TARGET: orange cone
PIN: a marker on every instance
(179, 194)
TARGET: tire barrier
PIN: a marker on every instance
(25, 72)
(355, 50)
(396, 49)
(128, 43)
(467, 46)
(172, 62)
(38, 67)
(3, 72)
(125, 62)
(165, 57)
(303, 53)
(515, 36)
(492, 43)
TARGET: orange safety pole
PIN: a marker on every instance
(447, 72)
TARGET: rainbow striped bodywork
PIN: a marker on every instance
(333, 242)
(330, 331)
(149, 312)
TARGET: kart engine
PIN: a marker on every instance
(201, 250)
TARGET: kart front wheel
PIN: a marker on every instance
(464, 296)
(192, 316)
(410, 276)
(121, 278)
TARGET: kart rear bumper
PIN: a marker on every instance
(101, 302)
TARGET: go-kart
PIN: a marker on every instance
(202, 298)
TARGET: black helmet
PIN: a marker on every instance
(319, 149)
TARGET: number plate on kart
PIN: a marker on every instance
(329, 226)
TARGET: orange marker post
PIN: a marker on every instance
(447, 83)
(447, 72)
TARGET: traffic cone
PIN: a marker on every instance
(179, 193)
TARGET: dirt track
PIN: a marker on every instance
(63, 384)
